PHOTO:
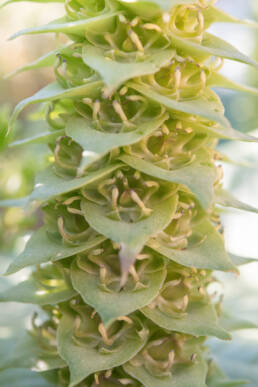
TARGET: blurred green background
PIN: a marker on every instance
(18, 167)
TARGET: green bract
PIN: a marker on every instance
(123, 264)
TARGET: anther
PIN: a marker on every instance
(96, 110)
(119, 110)
(115, 195)
(178, 77)
(151, 26)
(125, 318)
(103, 332)
(135, 39)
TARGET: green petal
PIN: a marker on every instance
(41, 138)
(77, 27)
(48, 184)
(84, 360)
(114, 73)
(131, 236)
(198, 178)
(200, 320)
(218, 80)
(182, 376)
(54, 91)
(239, 261)
(217, 378)
(213, 15)
(198, 107)
(211, 45)
(111, 305)
(233, 323)
(152, 8)
(210, 254)
(96, 144)
(35, 251)
(225, 199)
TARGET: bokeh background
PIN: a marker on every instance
(18, 167)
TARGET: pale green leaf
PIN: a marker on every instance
(213, 15)
(218, 80)
(54, 91)
(234, 323)
(29, 354)
(217, 378)
(41, 138)
(198, 177)
(190, 375)
(209, 254)
(200, 320)
(35, 251)
(111, 305)
(77, 27)
(96, 144)
(46, 60)
(239, 261)
(211, 45)
(49, 185)
(32, 291)
(131, 236)
(226, 199)
(225, 132)
(198, 107)
(84, 360)
(114, 73)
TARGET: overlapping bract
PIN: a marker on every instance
(132, 232)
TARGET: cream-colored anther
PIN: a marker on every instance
(135, 39)
(71, 200)
(109, 39)
(135, 21)
(115, 195)
(103, 332)
(103, 274)
(203, 78)
(135, 197)
(165, 129)
(178, 77)
(200, 20)
(152, 27)
(125, 381)
(125, 318)
(74, 211)
(171, 358)
(122, 18)
(96, 110)
(96, 378)
(60, 224)
(201, 291)
(166, 17)
(119, 110)
(88, 101)
(108, 373)
(93, 314)
(188, 130)
(179, 125)
(123, 91)
(134, 274)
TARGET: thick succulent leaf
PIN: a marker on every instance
(199, 320)
(77, 27)
(218, 80)
(18, 377)
(130, 236)
(239, 261)
(198, 107)
(31, 291)
(28, 354)
(114, 73)
(41, 138)
(211, 45)
(197, 177)
(233, 323)
(55, 91)
(193, 375)
(217, 378)
(111, 305)
(49, 185)
(46, 60)
(96, 144)
(226, 199)
(84, 360)
(210, 254)
(35, 251)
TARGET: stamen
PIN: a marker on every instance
(135, 39)
(96, 377)
(133, 272)
(119, 110)
(140, 203)
(103, 332)
(178, 77)
(96, 110)
(115, 195)
(125, 318)
(151, 26)
(108, 373)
